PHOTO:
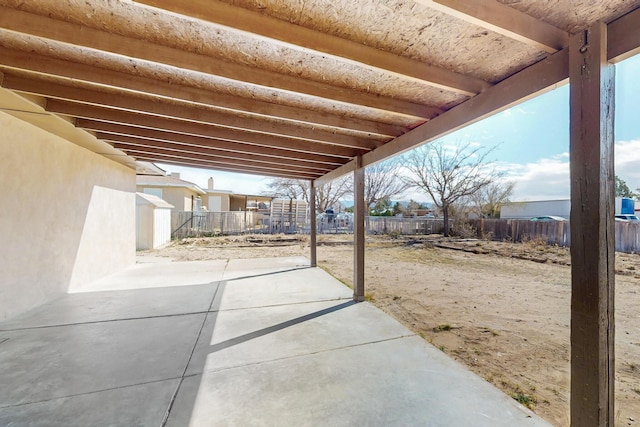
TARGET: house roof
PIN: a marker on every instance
(155, 200)
(167, 181)
(280, 88)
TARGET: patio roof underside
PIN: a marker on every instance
(292, 89)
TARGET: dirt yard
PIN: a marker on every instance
(501, 309)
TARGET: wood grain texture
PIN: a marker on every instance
(358, 231)
(592, 230)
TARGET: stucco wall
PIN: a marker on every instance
(217, 202)
(179, 197)
(68, 216)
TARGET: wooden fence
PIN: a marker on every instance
(395, 225)
(552, 232)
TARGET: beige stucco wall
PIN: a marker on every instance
(179, 197)
(211, 203)
(68, 216)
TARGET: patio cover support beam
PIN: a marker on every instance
(526, 84)
(505, 20)
(312, 217)
(358, 230)
(592, 229)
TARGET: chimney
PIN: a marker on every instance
(210, 187)
(175, 175)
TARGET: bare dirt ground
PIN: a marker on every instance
(501, 309)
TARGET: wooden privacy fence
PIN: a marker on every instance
(551, 232)
(395, 225)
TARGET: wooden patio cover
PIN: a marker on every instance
(316, 89)
(293, 89)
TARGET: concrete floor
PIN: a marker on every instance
(244, 343)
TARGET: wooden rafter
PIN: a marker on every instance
(205, 151)
(192, 128)
(160, 107)
(172, 90)
(504, 20)
(228, 161)
(257, 23)
(199, 163)
(160, 137)
(80, 35)
(624, 37)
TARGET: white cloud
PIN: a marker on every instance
(627, 158)
(548, 178)
(543, 180)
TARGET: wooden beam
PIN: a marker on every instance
(505, 20)
(359, 209)
(172, 90)
(336, 173)
(623, 36)
(206, 165)
(312, 232)
(592, 230)
(159, 138)
(123, 100)
(216, 164)
(136, 149)
(296, 35)
(192, 128)
(80, 35)
(127, 142)
(524, 85)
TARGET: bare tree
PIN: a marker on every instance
(448, 173)
(382, 182)
(297, 189)
(487, 201)
(328, 195)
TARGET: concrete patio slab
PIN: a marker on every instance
(398, 382)
(279, 287)
(139, 405)
(271, 344)
(229, 340)
(156, 275)
(116, 305)
(61, 361)
(251, 267)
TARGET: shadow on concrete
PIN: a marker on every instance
(275, 328)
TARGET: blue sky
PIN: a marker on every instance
(531, 139)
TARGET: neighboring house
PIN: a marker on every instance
(225, 200)
(183, 195)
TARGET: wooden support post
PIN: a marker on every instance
(592, 229)
(312, 231)
(358, 231)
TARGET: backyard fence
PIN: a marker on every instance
(397, 225)
(199, 224)
(551, 232)
(202, 224)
